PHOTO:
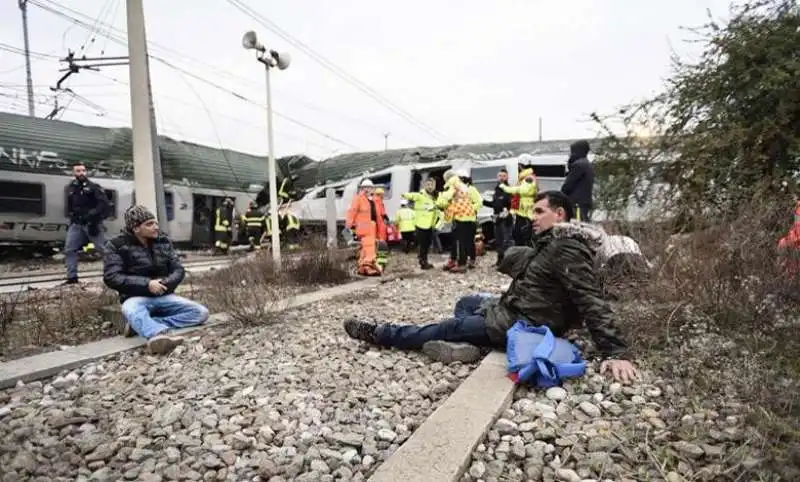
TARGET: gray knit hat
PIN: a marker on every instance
(136, 215)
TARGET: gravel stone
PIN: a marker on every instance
(293, 400)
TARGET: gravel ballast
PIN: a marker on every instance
(292, 400)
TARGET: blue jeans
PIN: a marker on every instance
(150, 316)
(466, 326)
(77, 237)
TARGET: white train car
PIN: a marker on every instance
(33, 209)
(311, 208)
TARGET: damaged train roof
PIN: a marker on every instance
(50, 146)
(346, 166)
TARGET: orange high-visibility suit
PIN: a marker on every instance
(381, 208)
(364, 219)
(789, 246)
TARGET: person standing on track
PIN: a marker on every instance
(87, 207)
(223, 227)
(580, 180)
(144, 268)
(425, 218)
(404, 219)
(501, 214)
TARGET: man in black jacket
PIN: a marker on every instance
(555, 284)
(580, 180)
(144, 268)
(503, 222)
(87, 206)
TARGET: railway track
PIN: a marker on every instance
(11, 284)
(16, 283)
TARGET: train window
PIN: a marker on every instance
(169, 200)
(111, 194)
(386, 182)
(22, 198)
(339, 192)
(484, 178)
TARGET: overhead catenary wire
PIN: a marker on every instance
(120, 37)
(338, 71)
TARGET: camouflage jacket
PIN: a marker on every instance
(555, 284)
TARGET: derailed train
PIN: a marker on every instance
(36, 157)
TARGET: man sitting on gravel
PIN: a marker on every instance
(144, 268)
(555, 284)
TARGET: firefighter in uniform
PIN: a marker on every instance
(290, 228)
(255, 224)
(223, 227)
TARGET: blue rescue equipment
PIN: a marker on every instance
(537, 357)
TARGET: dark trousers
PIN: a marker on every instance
(424, 238)
(523, 231)
(583, 212)
(409, 239)
(466, 326)
(463, 245)
(503, 235)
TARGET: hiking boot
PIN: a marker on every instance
(163, 343)
(361, 330)
(426, 266)
(458, 269)
(449, 352)
(70, 281)
(449, 266)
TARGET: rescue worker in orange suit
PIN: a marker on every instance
(255, 225)
(364, 220)
(223, 227)
(789, 246)
(383, 234)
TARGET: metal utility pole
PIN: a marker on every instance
(270, 59)
(147, 181)
(23, 6)
(386, 140)
(540, 129)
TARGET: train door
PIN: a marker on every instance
(204, 213)
(419, 176)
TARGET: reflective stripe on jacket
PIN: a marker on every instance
(424, 209)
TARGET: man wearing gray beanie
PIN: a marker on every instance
(144, 268)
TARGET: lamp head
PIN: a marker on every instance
(282, 59)
(250, 41)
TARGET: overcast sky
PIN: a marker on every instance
(471, 70)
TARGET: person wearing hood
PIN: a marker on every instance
(143, 267)
(579, 183)
(364, 220)
(425, 218)
(555, 284)
(87, 207)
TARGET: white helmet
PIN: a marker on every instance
(404, 202)
(461, 172)
(366, 183)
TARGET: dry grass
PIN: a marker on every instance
(33, 322)
(37, 321)
(718, 312)
(249, 290)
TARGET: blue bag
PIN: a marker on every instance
(537, 357)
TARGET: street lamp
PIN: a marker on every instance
(270, 58)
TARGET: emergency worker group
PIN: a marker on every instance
(422, 215)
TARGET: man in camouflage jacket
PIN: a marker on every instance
(555, 283)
